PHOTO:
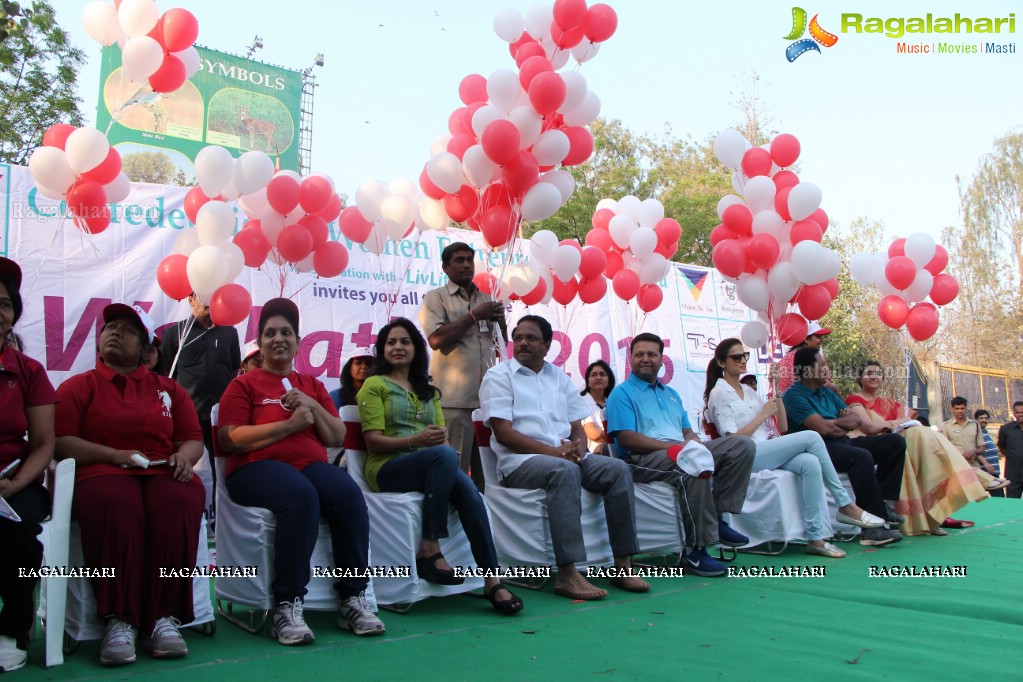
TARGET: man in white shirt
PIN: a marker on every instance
(536, 416)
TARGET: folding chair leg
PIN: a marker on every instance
(252, 627)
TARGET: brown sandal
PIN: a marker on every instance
(630, 583)
(580, 588)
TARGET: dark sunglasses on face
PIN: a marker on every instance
(739, 357)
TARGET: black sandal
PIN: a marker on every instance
(426, 568)
(508, 607)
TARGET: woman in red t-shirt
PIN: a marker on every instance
(26, 406)
(134, 436)
(276, 425)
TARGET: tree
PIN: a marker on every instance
(38, 68)
(152, 167)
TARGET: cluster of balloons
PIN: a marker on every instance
(155, 48)
(387, 212)
(78, 166)
(769, 239)
(500, 163)
(911, 271)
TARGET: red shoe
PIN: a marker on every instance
(956, 523)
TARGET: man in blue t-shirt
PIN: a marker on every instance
(990, 450)
(812, 407)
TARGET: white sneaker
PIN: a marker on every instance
(357, 616)
(118, 646)
(11, 657)
(289, 624)
(166, 641)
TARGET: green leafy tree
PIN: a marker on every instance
(38, 68)
(152, 167)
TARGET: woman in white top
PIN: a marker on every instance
(737, 409)
(599, 382)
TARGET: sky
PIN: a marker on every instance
(884, 135)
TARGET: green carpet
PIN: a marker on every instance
(844, 626)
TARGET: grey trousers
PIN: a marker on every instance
(562, 480)
(699, 501)
(462, 436)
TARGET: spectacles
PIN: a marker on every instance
(739, 357)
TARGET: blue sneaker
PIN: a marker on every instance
(729, 536)
(698, 562)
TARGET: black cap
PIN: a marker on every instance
(284, 307)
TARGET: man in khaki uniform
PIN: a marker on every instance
(460, 323)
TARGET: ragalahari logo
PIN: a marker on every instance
(817, 35)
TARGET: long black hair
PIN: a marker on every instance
(610, 377)
(348, 391)
(714, 370)
(419, 370)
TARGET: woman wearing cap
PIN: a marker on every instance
(26, 406)
(814, 339)
(136, 500)
(403, 425)
(276, 425)
(735, 408)
(353, 375)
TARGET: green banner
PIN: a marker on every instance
(237, 103)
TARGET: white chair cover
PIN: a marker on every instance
(55, 538)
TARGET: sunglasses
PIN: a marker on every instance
(739, 357)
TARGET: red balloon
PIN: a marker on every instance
(569, 14)
(649, 297)
(498, 226)
(938, 263)
(784, 178)
(253, 244)
(592, 290)
(756, 161)
(814, 301)
(354, 225)
(330, 260)
(317, 227)
(462, 205)
(593, 262)
(564, 292)
(602, 219)
(738, 219)
(922, 322)
(107, 171)
(729, 258)
(892, 311)
(615, 263)
(547, 92)
(527, 51)
(945, 289)
(599, 239)
(600, 24)
(57, 134)
(459, 143)
(720, 234)
(666, 250)
(566, 40)
(230, 305)
(170, 76)
(900, 271)
(485, 282)
(781, 203)
(668, 231)
(762, 251)
(429, 189)
(580, 145)
(792, 329)
(573, 243)
(314, 193)
(332, 210)
(625, 284)
(832, 286)
(294, 243)
(806, 230)
(821, 218)
(95, 222)
(172, 276)
(531, 68)
(283, 193)
(180, 29)
(520, 173)
(784, 149)
(496, 195)
(897, 248)
(456, 123)
(500, 141)
(86, 198)
(537, 294)
(473, 88)
(194, 200)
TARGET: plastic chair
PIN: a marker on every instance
(55, 538)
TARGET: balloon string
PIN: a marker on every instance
(189, 323)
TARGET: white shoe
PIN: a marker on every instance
(828, 550)
(118, 646)
(357, 616)
(11, 657)
(166, 641)
(289, 624)
(866, 520)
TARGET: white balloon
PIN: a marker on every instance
(404, 187)
(729, 146)
(768, 222)
(508, 25)
(642, 242)
(440, 144)
(118, 189)
(394, 231)
(503, 89)
(187, 242)
(529, 123)
(371, 193)
(207, 269)
(85, 149)
(548, 279)
(753, 291)
(235, 260)
(760, 193)
(551, 147)
(559, 58)
(141, 57)
(885, 288)
(252, 171)
(629, 205)
(653, 269)
(541, 201)
(920, 248)
(538, 22)
(585, 51)
(783, 282)
(214, 223)
(861, 269)
(190, 58)
(754, 334)
(444, 170)
(726, 201)
(575, 90)
(566, 262)
(520, 279)
(397, 209)
(561, 179)
(542, 247)
(306, 264)
(920, 287)
(483, 117)
(255, 203)
(621, 228)
(606, 203)
(433, 214)
(479, 170)
(214, 169)
(49, 167)
(804, 199)
(739, 182)
(138, 17)
(271, 224)
(586, 113)
(100, 21)
(651, 212)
